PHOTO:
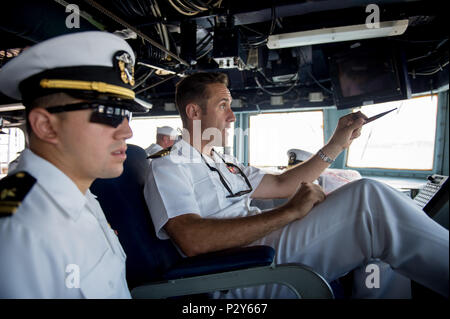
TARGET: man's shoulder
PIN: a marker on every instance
(13, 190)
(175, 154)
(161, 153)
(153, 148)
(23, 223)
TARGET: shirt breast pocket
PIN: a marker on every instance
(207, 196)
(104, 280)
(117, 245)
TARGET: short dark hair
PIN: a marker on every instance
(54, 99)
(193, 89)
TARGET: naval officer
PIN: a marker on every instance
(200, 199)
(54, 239)
(165, 137)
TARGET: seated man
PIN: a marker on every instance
(200, 199)
(165, 136)
(54, 239)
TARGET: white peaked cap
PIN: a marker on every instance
(90, 57)
(166, 130)
(301, 155)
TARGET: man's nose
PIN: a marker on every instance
(124, 130)
(231, 116)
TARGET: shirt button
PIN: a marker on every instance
(111, 284)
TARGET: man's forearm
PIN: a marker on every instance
(284, 185)
(311, 169)
(307, 171)
(196, 235)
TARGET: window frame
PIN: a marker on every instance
(5, 165)
(324, 135)
(150, 138)
(442, 112)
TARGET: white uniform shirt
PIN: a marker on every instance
(181, 183)
(361, 222)
(152, 149)
(56, 234)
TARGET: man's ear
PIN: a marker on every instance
(193, 111)
(43, 125)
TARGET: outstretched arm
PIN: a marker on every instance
(284, 185)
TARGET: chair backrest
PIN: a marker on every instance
(123, 203)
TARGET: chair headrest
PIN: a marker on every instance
(136, 164)
(123, 203)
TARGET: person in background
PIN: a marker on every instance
(165, 136)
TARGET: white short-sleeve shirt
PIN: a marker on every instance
(152, 149)
(332, 239)
(181, 183)
(58, 243)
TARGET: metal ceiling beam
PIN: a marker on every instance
(296, 9)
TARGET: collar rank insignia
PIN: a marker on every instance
(126, 68)
(232, 169)
(161, 153)
(13, 189)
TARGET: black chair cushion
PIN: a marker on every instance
(224, 260)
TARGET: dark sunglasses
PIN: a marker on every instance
(233, 169)
(104, 114)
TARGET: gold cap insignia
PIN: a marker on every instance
(126, 67)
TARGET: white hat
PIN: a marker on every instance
(93, 65)
(296, 155)
(166, 130)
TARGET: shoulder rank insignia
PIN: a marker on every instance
(161, 153)
(13, 189)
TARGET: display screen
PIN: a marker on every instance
(365, 76)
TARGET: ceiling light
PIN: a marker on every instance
(338, 34)
(11, 107)
(276, 100)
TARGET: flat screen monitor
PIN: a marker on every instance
(367, 75)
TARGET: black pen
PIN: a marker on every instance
(370, 119)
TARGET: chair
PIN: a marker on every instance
(154, 267)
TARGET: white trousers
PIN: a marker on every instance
(361, 223)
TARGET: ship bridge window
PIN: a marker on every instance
(144, 129)
(12, 143)
(403, 139)
(271, 135)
